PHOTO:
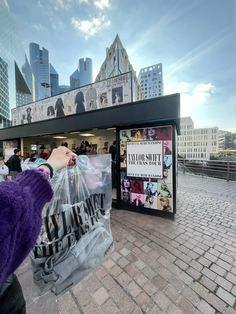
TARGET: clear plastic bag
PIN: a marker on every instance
(75, 235)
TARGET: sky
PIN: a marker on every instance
(195, 40)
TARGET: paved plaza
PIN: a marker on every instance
(186, 265)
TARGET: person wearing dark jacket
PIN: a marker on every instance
(21, 203)
(14, 163)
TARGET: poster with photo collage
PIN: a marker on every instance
(146, 167)
(99, 95)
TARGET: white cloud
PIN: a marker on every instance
(232, 130)
(62, 4)
(39, 27)
(102, 4)
(192, 96)
(90, 27)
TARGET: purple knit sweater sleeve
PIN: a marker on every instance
(21, 202)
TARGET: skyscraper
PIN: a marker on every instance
(54, 79)
(39, 61)
(117, 62)
(12, 53)
(151, 81)
(83, 75)
(4, 94)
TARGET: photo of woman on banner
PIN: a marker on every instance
(137, 199)
(164, 203)
(117, 95)
(59, 108)
(164, 190)
(167, 147)
(137, 186)
(28, 115)
(103, 102)
(125, 135)
(150, 134)
(79, 102)
(125, 185)
(164, 133)
(91, 99)
(137, 135)
(150, 201)
(167, 161)
(125, 196)
(150, 188)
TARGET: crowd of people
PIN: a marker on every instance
(15, 164)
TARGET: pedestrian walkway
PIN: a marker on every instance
(186, 265)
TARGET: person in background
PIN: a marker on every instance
(112, 151)
(33, 157)
(14, 164)
(3, 170)
(21, 203)
(42, 153)
(64, 144)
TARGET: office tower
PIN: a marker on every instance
(11, 52)
(23, 93)
(196, 143)
(151, 81)
(117, 62)
(54, 79)
(75, 80)
(83, 75)
(29, 77)
(4, 94)
(39, 61)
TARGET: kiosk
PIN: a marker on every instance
(146, 139)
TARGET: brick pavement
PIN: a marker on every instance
(186, 265)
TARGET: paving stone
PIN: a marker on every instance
(218, 270)
(122, 262)
(66, 304)
(224, 283)
(109, 264)
(133, 289)
(208, 283)
(173, 309)
(140, 264)
(144, 301)
(205, 308)
(150, 288)
(210, 274)
(101, 296)
(190, 295)
(226, 296)
(159, 282)
(109, 307)
(124, 279)
(162, 301)
(204, 261)
(185, 306)
(124, 252)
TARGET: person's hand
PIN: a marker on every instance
(61, 157)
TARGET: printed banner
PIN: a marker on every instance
(144, 159)
(111, 92)
(146, 167)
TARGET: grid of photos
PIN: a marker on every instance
(150, 193)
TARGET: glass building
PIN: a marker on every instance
(39, 62)
(15, 73)
(54, 80)
(83, 75)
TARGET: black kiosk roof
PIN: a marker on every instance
(162, 110)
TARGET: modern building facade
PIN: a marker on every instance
(12, 53)
(4, 94)
(151, 81)
(54, 80)
(226, 140)
(196, 144)
(83, 75)
(117, 62)
(63, 88)
(39, 61)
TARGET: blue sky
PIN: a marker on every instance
(195, 40)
